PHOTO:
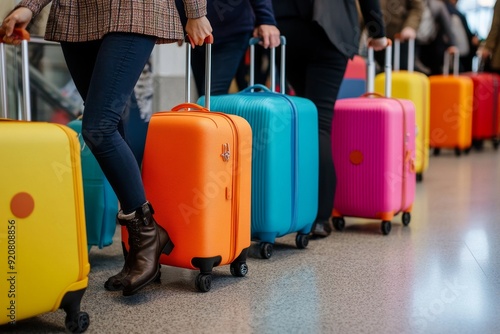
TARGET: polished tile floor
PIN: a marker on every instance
(441, 274)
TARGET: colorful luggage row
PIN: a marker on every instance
(247, 171)
(454, 111)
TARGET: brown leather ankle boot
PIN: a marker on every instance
(147, 240)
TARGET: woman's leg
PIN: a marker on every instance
(106, 80)
(315, 69)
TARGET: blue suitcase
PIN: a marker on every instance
(101, 203)
(285, 159)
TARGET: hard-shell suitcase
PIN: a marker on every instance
(354, 81)
(101, 203)
(451, 110)
(197, 173)
(485, 107)
(44, 263)
(284, 161)
(413, 86)
(373, 146)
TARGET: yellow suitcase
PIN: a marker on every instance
(43, 246)
(413, 86)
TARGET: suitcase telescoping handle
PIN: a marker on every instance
(387, 69)
(208, 72)
(272, 67)
(397, 53)
(446, 63)
(24, 36)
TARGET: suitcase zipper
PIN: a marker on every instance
(231, 194)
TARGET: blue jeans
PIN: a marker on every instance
(105, 72)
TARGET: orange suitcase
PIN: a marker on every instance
(197, 173)
(451, 110)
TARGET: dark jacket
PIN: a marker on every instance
(339, 19)
(231, 17)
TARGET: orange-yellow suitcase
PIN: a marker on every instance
(197, 174)
(451, 111)
(43, 247)
(413, 86)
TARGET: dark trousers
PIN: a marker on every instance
(226, 58)
(403, 57)
(315, 68)
(105, 73)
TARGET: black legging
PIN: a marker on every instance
(315, 68)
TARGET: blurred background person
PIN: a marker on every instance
(489, 50)
(321, 37)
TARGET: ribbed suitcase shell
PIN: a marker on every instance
(197, 174)
(451, 112)
(485, 107)
(101, 203)
(373, 146)
(413, 86)
(354, 81)
(42, 229)
(285, 159)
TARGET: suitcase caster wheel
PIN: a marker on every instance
(496, 142)
(386, 227)
(203, 282)
(420, 177)
(266, 250)
(78, 322)
(478, 144)
(301, 240)
(339, 224)
(406, 218)
(239, 269)
(458, 152)
(437, 151)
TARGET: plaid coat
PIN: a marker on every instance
(87, 20)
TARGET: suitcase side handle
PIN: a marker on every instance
(255, 40)
(24, 36)
(189, 106)
(256, 86)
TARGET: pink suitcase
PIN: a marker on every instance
(373, 146)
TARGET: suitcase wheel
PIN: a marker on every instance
(239, 269)
(203, 282)
(436, 151)
(420, 177)
(406, 218)
(266, 250)
(338, 223)
(77, 322)
(496, 142)
(478, 144)
(386, 227)
(301, 240)
(458, 151)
